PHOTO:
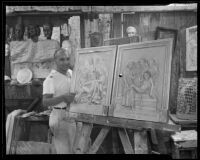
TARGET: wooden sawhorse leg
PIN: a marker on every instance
(140, 142)
(83, 139)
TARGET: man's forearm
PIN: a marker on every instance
(52, 101)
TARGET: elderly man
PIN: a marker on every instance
(131, 31)
(132, 34)
(56, 95)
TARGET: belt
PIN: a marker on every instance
(64, 108)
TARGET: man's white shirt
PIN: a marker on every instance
(57, 84)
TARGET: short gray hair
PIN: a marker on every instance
(61, 50)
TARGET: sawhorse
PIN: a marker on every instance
(83, 140)
(140, 145)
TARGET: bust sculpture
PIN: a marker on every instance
(33, 32)
(47, 29)
(19, 32)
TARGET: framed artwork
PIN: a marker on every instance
(191, 49)
(142, 81)
(162, 33)
(92, 80)
(96, 39)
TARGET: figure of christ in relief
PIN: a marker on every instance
(92, 83)
(140, 83)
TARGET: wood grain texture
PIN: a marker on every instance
(140, 141)
(98, 141)
(177, 20)
(125, 141)
(79, 126)
(92, 79)
(129, 54)
(124, 122)
(84, 141)
(101, 9)
(115, 141)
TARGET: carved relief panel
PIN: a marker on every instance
(142, 81)
(92, 80)
(191, 49)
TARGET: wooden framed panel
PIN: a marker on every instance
(142, 81)
(162, 33)
(92, 80)
(119, 41)
(191, 49)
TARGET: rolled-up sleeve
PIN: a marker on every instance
(48, 87)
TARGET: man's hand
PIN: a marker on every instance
(68, 97)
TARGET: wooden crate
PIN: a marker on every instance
(185, 145)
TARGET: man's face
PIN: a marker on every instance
(32, 31)
(47, 31)
(62, 61)
(131, 32)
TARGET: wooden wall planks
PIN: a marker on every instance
(146, 23)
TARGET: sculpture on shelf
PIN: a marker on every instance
(67, 43)
(11, 34)
(47, 29)
(96, 39)
(7, 40)
(38, 30)
(19, 32)
(7, 61)
(33, 32)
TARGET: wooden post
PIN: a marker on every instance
(125, 141)
(115, 142)
(140, 142)
(103, 133)
(82, 31)
(83, 143)
(79, 126)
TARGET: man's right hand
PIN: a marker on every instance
(68, 97)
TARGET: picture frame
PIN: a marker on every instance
(142, 68)
(92, 80)
(191, 48)
(162, 33)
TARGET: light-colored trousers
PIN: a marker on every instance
(63, 130)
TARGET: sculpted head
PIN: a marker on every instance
(19, 32)
(47, 29)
